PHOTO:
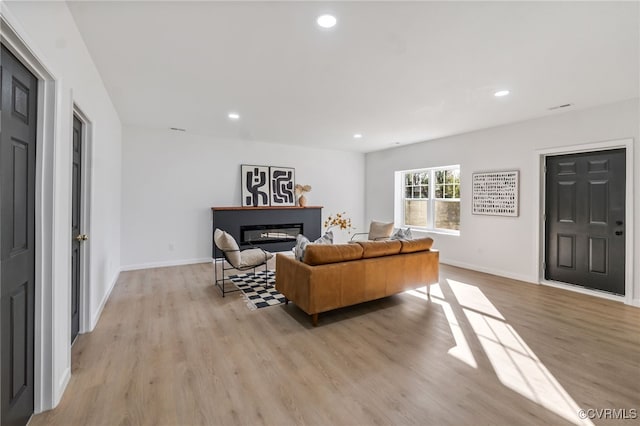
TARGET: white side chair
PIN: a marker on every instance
(378, 231)
(237, 260)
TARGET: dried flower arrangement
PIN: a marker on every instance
(301, 189)
(339, 220)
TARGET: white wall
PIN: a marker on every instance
(502, 245)
(50, 32)
(171, 180)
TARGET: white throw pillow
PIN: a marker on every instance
(301, 245)
(227, 244)
(380, 230)
(327, 238)
(402, 234)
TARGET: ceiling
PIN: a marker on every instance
(395, 72)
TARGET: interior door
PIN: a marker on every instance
(585, 213)
(76, 227)
(17, 237)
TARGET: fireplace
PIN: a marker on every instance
(276, 233)
(271, 228)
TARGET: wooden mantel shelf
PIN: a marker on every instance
(267, 208)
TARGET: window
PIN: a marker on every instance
(430, 198)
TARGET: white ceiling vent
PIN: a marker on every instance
(560, 106)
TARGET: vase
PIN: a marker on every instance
(302, 201)
(340, 236)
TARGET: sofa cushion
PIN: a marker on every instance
(253, 257)
(379, 248)
(302, 242)
(320, 254)
(419, 244)
(380, 230)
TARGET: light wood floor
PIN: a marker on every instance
(169, 350)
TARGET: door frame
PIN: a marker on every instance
(48, 93)
(632, 295)
(85, 216)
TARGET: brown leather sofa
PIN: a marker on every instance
(332, 276)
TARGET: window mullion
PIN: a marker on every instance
(404, 196)
(432, 191)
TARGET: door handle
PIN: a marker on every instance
(81, 237)
(618, 232)
(78, 237)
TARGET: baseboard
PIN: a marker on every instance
(62, 386)
(96, 316)
(165, 264)
(491, 271)
(518, 277)
(584, 290)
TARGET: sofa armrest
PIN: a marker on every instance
(293, 280)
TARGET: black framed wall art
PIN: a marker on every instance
(255, 185)
(282, 186)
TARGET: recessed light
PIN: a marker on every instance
(327, 21)
(234, 115)
(501, 93)
(357, 136)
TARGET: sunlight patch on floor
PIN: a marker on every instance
(472, 297)
(515, 364)
(461, 350)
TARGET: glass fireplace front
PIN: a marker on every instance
(260, 234)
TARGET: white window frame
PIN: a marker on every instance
(400, 199)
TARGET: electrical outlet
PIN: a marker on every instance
(171, 246)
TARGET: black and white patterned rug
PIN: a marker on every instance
(254, 290)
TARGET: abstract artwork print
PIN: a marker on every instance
(282, 186)
(255, 185)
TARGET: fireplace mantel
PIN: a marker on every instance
(236, 219)
(267, 208)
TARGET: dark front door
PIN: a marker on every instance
(585, 213)
(76, 228)
(17, 235)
